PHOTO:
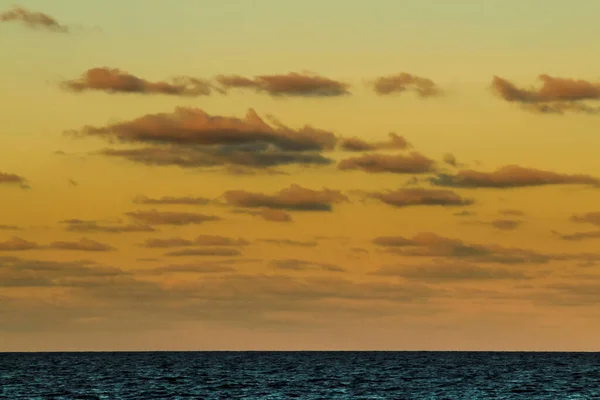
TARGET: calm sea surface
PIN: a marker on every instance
(301, 375)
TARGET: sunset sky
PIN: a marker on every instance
(209, 174)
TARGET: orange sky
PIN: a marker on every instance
(275, 177)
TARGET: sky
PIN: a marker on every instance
(267, 175)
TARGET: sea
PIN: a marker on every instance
(300, 375)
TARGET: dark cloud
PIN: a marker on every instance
(82, 226)
(402, 82)
(291, 84)
(415, 163)
(193, 126)
(202, 240)
(511, 176)
(555, 96)
(511, 212)
(289, 242)
(506, 224)
(450, 159)
(294, 198)
(432, 245)
(210, 157)
(83, 244)
(293, 264)
(421, 197)
(154, 217)
(217, 251)
(268, 214)
(196, 268)
(112, 80)
(32, 19)
(577, 236)
(170, 200)
(588, 218)
(12, 179)
(465, 213)
(450, 272)
(9, 228)
(395, 142)
(17, 244)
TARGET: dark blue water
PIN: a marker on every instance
(302, 375)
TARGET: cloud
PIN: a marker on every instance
(82, 226)
(505, 224)
(293, 264)
(450, 159)
(12, 179)
(395, 142)
(431, 245)
(577, 236)
(511, 212)
(32, 19)
(402, 82)
(421, 197)
(9, 228)
(511, 176)
(170, 200)
(202, 240)
(450, 272)
(415, 163)
(83, 244)
(196, 268)
(289, 242)
(112, 80)
(17, 244)
(195, 127)
(268, 214)
(217, 251)
(294, 198)
(588, 218)
(556, 96)
(465, 213)
(154, 217)
(291, 84)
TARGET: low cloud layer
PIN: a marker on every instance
(445, 272)
(511, 176)
(587, 218)
(292, 264)
(171, 200)
(415, 163)
(12, 179)
(395, 142)
(90, 226)
(33, 19)
(555, 96)
(421, 197)
(294, 198)
(291, 84)
(403, 82)
(83, 244)
(202, 240)
(154, 217)
(113, 80)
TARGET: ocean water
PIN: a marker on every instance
(300, 375)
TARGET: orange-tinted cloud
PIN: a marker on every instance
(431, 245)
(450, 272)
(202, 240)
(289, 242)
(78, 225)
(511, 212)
(17, 244)
(171, 200)
(32, 19)
(154, 217)
(302, 265)
(505, 224)
(294, 198)
(196, 268)
(421, 197)
(577, 236)
(217, 251)
(589, 218)
(83, 244)
(12, 179)
(112, 80)
(402, 82)
(291, 84)
(556, 95)
(356, 144)
(9, 228)
(511, 176)
(415, 163)
(268, 214)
